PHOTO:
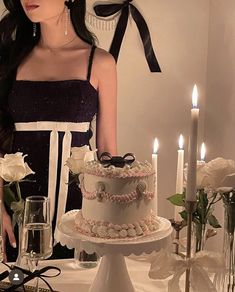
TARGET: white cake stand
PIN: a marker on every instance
(112, 274)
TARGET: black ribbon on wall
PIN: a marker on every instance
(105, 10)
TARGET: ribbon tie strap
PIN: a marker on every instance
(31, 275)
(54, 128)
(165, 264)
(105, 10)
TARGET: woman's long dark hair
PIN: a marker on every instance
(16, 42)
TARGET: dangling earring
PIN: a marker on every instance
(34, 29)
(68, 6)
(67, 13)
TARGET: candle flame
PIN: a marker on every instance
(181, 141)
(155, 146)
(203, 151)
(195, 96)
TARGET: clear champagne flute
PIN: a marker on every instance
(37, 231)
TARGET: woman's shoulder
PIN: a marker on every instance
(103, 59)
(104, 64)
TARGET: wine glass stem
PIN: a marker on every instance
(35, 268)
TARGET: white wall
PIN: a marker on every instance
(220, 116)
(220, 102)
(158, 104)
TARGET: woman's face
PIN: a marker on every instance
(42, 10)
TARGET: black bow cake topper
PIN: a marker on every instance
(118, 161)
(105, 10)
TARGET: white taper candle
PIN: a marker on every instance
(203, 152)
(154, 163)
(179, 176)
(192, 153)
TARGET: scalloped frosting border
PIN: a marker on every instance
(119, 199)
(109, 230)
(139, 169)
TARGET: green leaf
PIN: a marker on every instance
(213, 221)
(74, 179)
(184, 215)
(177, 200)
(9, 195)
(17, 206)
(202, 205)
(17, 218)
(18, 209)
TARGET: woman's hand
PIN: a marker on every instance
(7, 230)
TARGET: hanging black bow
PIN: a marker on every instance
(106, 10)
(107, 159)
(30, 275)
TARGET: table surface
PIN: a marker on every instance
(76, 279)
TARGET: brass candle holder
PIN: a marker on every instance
(178, 226)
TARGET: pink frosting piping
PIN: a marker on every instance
(138, 170)
(119, 175)
(108, 230)
(119, 199)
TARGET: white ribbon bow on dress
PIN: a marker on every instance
(54, 128)
(166, 264)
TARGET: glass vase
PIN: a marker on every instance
(229, 243)
(21, 261)
(199, 237)
(85, 260)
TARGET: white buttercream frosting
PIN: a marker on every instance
(117, 202)
(105, 230)
(136, 169)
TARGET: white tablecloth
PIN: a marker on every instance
(76, 279)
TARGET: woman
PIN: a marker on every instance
(52, 73)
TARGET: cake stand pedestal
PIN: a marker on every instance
(112, 274)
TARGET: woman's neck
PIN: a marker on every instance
(57, 31)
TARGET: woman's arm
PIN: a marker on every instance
(6, 224)
(106, 125)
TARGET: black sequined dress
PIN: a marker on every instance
(61, 102)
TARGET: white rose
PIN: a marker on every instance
(227, 184)
(79, 156)
(79, 152)
(217, 170)
(13, 168)
(215, 174)
(201, 174)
